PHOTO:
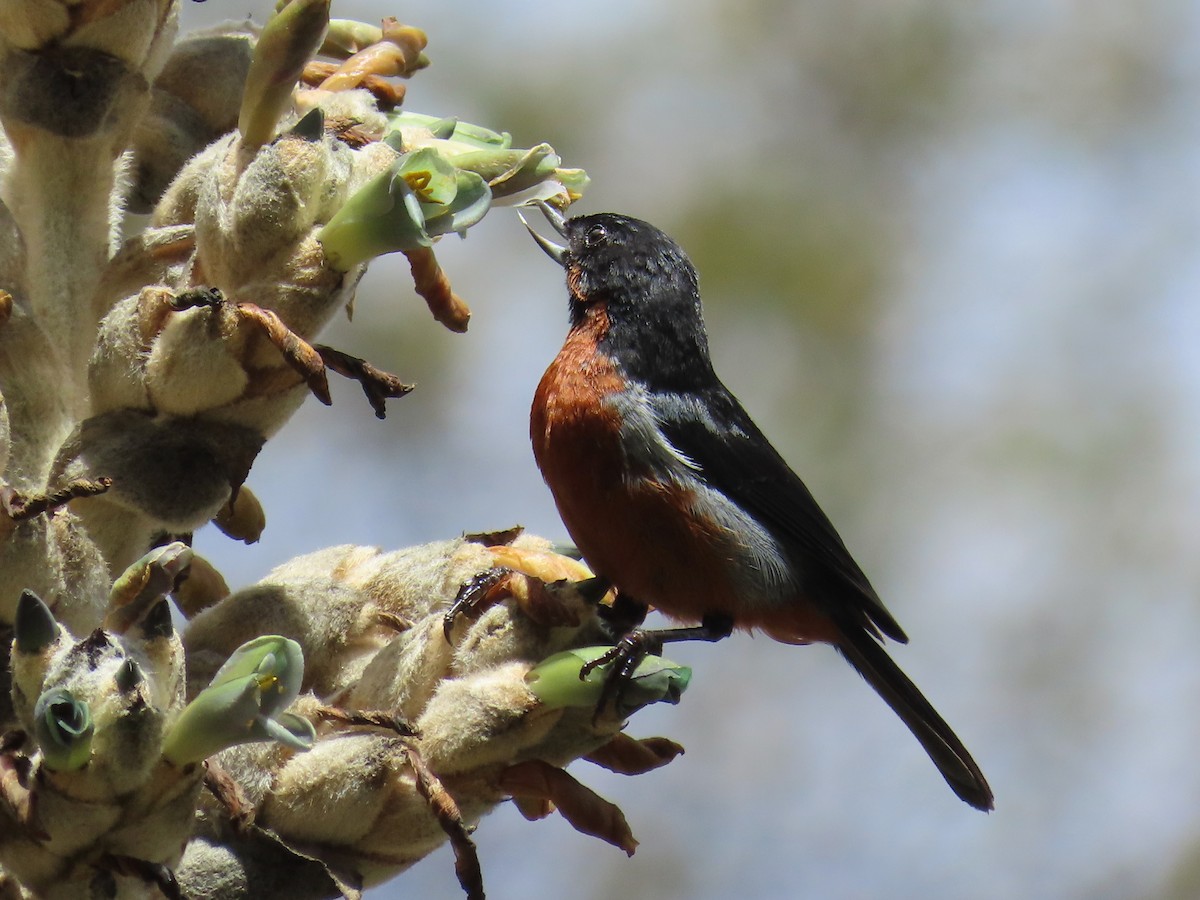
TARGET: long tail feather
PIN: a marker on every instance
(943, 746)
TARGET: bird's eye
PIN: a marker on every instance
(596, 234)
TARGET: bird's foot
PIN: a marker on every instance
(636, 644)
(622, 660)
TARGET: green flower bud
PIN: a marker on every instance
(521, 176)
(286, 44)
(139, 589)
(346, 37)
(35, 628)
(556, 682)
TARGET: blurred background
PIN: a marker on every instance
(950, 264)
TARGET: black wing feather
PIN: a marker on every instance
(734, 457)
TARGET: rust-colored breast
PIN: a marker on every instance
(639, 533)
(575, 434)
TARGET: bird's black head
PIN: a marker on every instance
(646, 288)
(635, 270)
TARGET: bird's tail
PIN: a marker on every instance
(943, 746)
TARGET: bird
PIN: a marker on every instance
(674, 496)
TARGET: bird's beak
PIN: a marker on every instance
(553, 250)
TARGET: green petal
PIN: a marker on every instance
(376, 220)
(460, 132)
(63, 729)
(443, 128)
(576, 181)
(268, 656)
(656, 680)
(260, 680)
(556, 682)
(507, 171)
(392, 211)
(429, 176)
(218, 718)
(471, 203)
(288, 729)
(346, 37)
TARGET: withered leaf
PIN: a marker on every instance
(540, 602)
(587, 811)
(475, 596)
(393, 622)
(203, 587)
(494, 538)
(382, 719)
(242, 518)
(548, 566)
(296, 351)
(433, 286)
(630, 756)
(379, 59)
(533, 808)
(316, 71)
(20, 506)
(410, 40)
(378, 385)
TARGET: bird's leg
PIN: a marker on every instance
(640, 643)
(637, 644)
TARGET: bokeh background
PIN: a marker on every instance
(949, 253)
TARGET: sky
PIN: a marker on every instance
(949, 261)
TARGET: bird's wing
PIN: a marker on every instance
(731, 455)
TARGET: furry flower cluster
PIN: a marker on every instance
(320, 731)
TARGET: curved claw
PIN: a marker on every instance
(623, 659)
(473, 597)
